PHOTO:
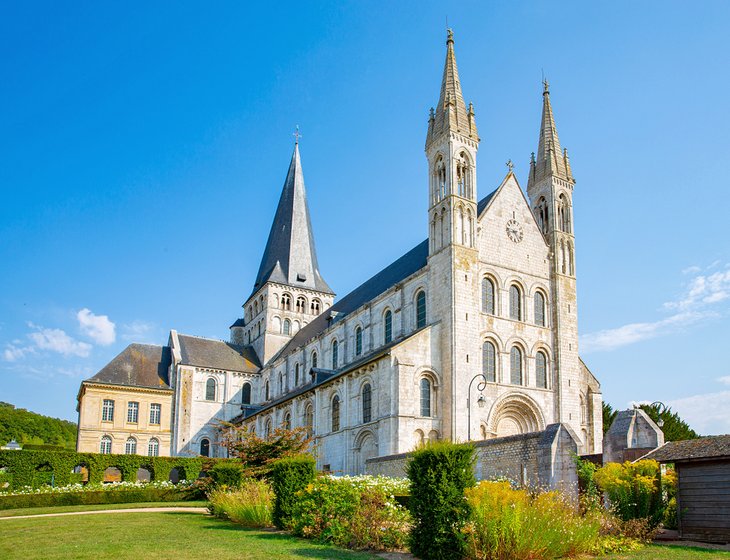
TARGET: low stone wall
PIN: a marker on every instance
(536, 459)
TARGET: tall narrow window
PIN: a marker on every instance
(267, 428)
(335, 349)
(286, 302)
(287, 421)
(309, 419)
(425, 397)
(487, 296)
(314, 359)
(281, 383)
(541, 369)
(210, 389)
(421, 309)
(130, 448)
(246, 393)
(132, 412)
(155, 413)
(489, 355)
(515, 356)
(105, 447)
(388, 327)
(267, 390)
(301, 305)
(287, 326)
(367, 403)
(515, 303)
(296, 375)
(336, 413)
(358, 341)
(205, 447)
(316, 306)
(539, 309)
(107, 410)
(153, 447)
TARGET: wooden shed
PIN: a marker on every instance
(703, 493)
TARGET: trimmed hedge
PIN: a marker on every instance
(439, 474)
(102, 497)
(288, 476)
(227, 474)
(31, 468)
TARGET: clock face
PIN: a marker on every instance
(514, 231)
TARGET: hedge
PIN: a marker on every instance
(289, 476)
(32, 468)
(102, 497)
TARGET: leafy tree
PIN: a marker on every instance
(27, 427)
(674, 428)
(609, 415)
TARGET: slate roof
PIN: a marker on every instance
(290, 257)
(702, 448)
(217, 354)
(140, 365)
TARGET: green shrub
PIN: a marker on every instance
(249, 504)
(439, 474)
(289, 476)
(6, 480)
(633, 489)
(227, 474)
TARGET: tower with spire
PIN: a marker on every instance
(289, 290)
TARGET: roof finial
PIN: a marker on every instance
(545, 86)
(510, 165)
(297, 135)
(449, 36)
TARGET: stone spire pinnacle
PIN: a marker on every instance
(290, 257)
(549, 160)
(451, 114)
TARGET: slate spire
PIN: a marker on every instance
(290, 257)
(550, 160)
(451, 113)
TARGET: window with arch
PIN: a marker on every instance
(439, 179)
(425, 396)
(316, 306)
(205, 447)
(301, 304)
(296, 374)
(515, 302)
(489, 358)
(314, 359)
(367, 403)
(287, 421)
(286, 329)
(541, 369)
(258, 328)
(210, 387)
(358, 341)
(539, 309)
(541, 215)
(309, 419)
(130, 448)
(515, 366)
(335, 413)
(286, 302)
(335, 351)
(564, 213)
(281, 383)
(571, 263)
(420, 309)
(246, 393)
(562, 256)
(267, 428)
(153, 447)
(267, 390)
(387, 327)
(463, 175)
(105, 446)
(255, 308)
(488, 296)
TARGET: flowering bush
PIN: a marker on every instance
(250, 504)
(633, 489)
(99, 487)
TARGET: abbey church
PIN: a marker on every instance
(470, 335)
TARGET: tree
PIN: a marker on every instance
(27, 427)
(609, 415)
(674, 428)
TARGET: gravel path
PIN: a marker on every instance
(128, 510)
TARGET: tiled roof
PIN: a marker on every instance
(217, 354)
(701, 448)
(140, 365)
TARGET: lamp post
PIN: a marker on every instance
(481, 401)
(661, 409)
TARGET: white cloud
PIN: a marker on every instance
(97, 327)
(725, 380)
(706, 414)
(137, 331)
(691, 270)
(13, 353)
(57, 340)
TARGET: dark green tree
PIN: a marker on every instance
(27, 427)
(609, 415)
(674, 428)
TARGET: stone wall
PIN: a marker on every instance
(631, 429)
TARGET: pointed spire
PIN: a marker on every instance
(290, 256)
(451, 114)
(551, 160)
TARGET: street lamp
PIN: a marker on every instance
(481, 401)
(661, 409)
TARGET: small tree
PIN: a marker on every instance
(674, 428)
(289, 476)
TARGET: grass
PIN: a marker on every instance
(153, 536)
(64, 509)
(662, 552)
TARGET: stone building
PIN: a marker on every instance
(472, 334)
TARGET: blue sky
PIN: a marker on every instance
(143, 149)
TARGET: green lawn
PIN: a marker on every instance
(661, 552)
(64, 509)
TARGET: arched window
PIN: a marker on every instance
(541, 214)
(420, 309)
(541, 369)
(562, 256)
(314, 359)
(246, 393)
(205, 447)
(281, 383)
(267, 428)
(515, 303)
(105, 447)
(301, 304)
(286, 302)
(387, 327)
(335, 349)
(463, 175)
(316, 306)
(489, 357)
(130, 448)
(267, 390)
(367, 403)
(539, 309)
(571, 263)
(425, 397)
(287, 421)
(487, 296)
(564, 213)
(296, 374)
(287, 326)
(210, 389)
(153, 447)
(335, 413)
(358, 341)
(515, 365)
(439, 179)
(309, 419)
(255, 308)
